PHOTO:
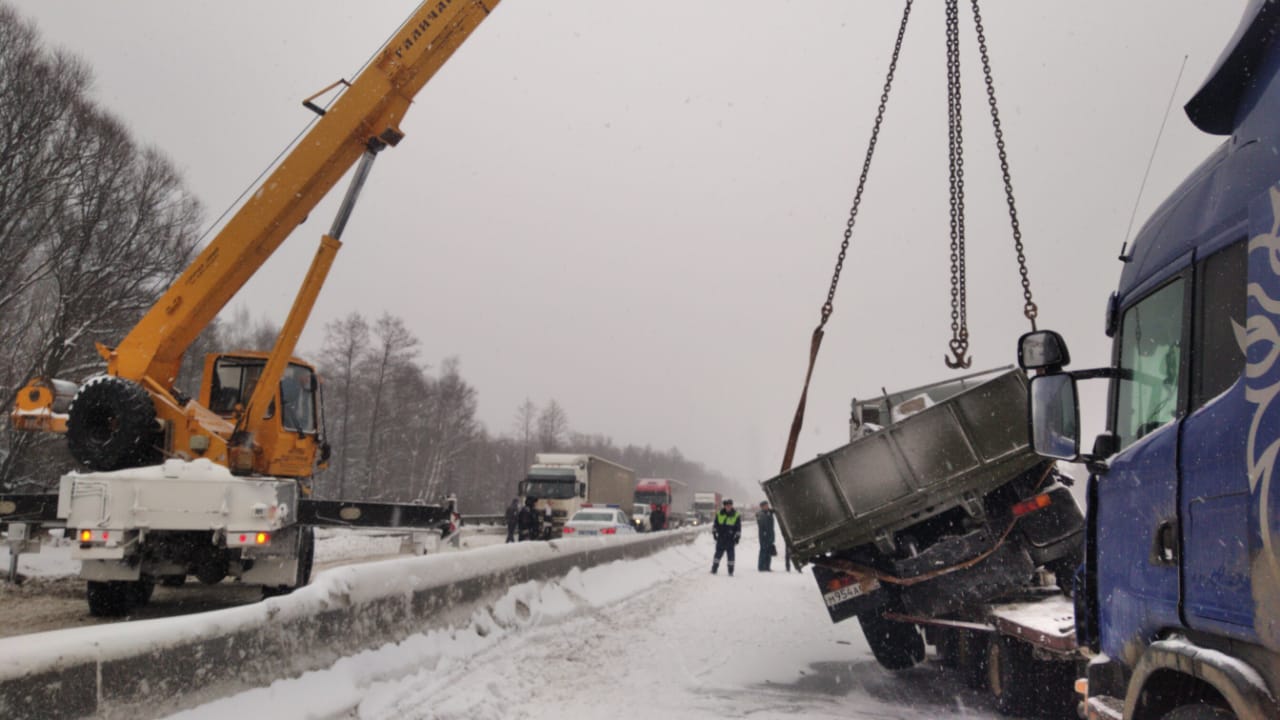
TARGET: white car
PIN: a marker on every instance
(598, 521)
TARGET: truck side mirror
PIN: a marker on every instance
(582, 490)
(1055, 417)
(1042, 350)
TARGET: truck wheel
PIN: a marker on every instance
(111, 424)
(896, 645)
(112, 598)
(1011, 676)
(1200, 712)
(143, 589)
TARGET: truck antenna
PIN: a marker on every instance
(1172, 93)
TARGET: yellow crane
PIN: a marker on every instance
(133, 415)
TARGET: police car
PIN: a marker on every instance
(598, 520)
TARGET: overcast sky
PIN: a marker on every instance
(634, 207)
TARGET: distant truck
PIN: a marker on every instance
(706, 505)
(938, 516)
(565, 482)
(672, 496)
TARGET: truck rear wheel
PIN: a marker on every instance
(896, 645)
(111, 424)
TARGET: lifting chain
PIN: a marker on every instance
(959, 344)
(829, 306)
(1028, 307)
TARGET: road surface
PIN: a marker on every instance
(655, 637)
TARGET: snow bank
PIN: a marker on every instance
(370, 680)
(123, 668)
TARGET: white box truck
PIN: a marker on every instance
(564, 482)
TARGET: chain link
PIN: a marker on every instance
(829, 306)
(1029, 308)
(959, 344)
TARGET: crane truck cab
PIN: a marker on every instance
(1180, 588)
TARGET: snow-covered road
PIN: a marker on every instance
(655, 637)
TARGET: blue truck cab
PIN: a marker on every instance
(1179, 593)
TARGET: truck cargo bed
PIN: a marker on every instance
(947, 455)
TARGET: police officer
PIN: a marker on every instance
(527, 522)
(726, 531)
(764, 524)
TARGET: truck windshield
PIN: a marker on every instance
(651, 498)
(551, 488)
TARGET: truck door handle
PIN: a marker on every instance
(1164, 544)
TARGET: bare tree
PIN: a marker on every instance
(394, 346)
(553, 427)
(524, 422)
(451, 427)
(93, 230)
(345, 342)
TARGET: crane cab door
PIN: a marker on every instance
(230, 381)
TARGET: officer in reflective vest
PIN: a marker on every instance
(727, 531)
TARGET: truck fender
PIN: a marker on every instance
(1168, 663)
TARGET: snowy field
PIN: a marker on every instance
(655, 637)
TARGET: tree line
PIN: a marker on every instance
(94, 227)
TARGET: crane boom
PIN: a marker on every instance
(367, 114)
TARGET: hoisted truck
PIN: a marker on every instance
(170, 486)
(1180, 591)
(938, 523)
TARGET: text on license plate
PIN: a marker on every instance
(851, 591)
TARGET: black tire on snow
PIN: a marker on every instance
(113, 598)
(111, 425)
(1011, 675)
(896, 645)
(1199, 712)
(143, 589)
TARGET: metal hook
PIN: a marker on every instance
(959, 351)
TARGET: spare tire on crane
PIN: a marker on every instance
(111, 425)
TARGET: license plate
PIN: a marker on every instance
(851, 591)
(588, 532)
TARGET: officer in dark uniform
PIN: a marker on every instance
(764, 523)
(726, 531)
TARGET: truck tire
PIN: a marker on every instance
(111, 424)
(896, 645)
(114, 598)
(1199, 712)
(1011, 676)
(143, 589)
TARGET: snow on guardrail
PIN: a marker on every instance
(147, 668)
